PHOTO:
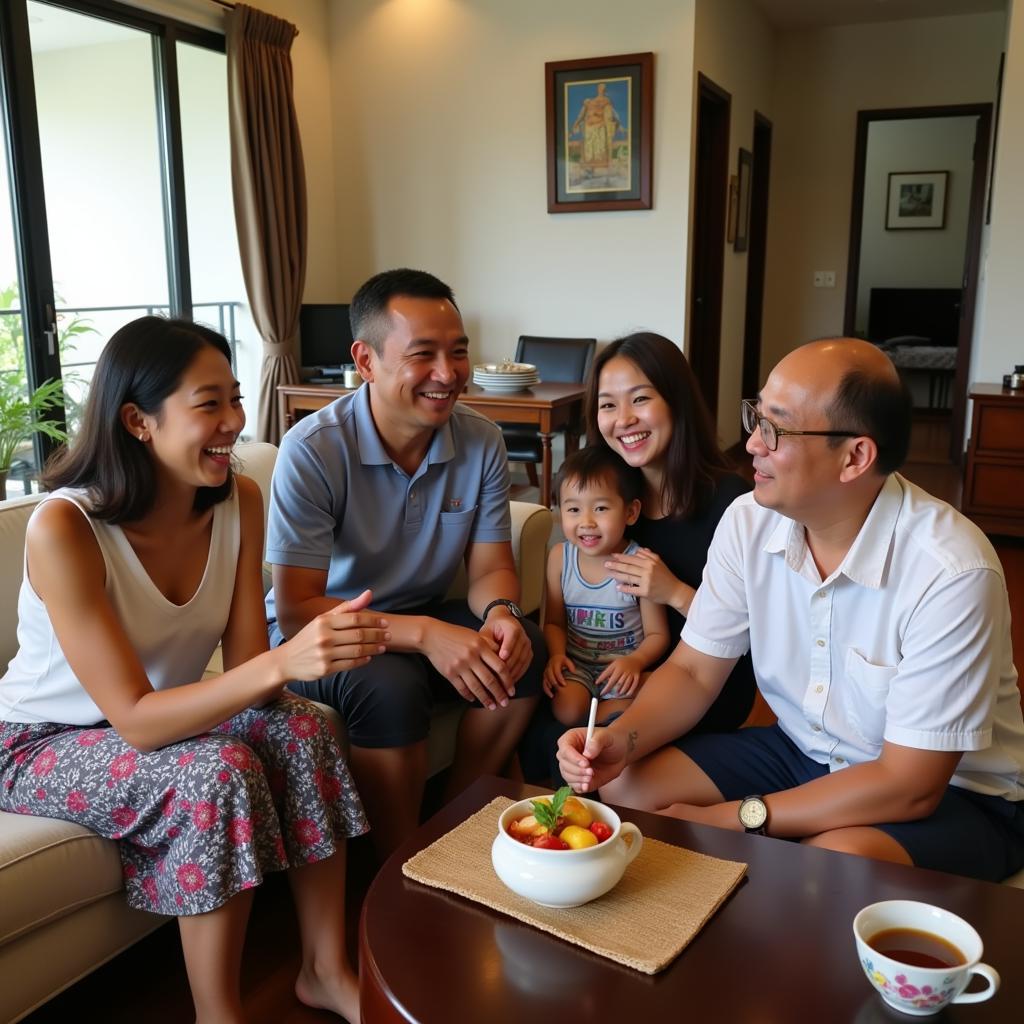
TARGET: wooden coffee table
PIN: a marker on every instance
(779, 950)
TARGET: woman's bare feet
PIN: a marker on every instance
(337, 990)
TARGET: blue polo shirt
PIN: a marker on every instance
(338, 502)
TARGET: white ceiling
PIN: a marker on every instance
(797, 14)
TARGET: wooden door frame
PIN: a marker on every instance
(972, 254)
(753, 317)
(708, 243)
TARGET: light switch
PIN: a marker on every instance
(819, 279)
(830, 279)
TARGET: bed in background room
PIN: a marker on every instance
(919, 330)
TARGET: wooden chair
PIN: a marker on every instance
(564, 360)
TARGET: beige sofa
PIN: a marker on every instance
(62, 913)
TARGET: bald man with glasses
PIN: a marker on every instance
(879, 626)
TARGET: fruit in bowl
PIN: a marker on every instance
(560, 822)
(562, 851)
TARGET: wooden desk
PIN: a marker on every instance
(780, 949)
(548, 407)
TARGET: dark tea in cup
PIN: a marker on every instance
(917, 948)
(920, 958)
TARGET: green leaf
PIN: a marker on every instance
(21, 414)
(547, 812)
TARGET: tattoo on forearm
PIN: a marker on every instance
(631, 742)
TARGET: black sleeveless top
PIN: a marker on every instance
(683, 546)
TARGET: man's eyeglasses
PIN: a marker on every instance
(770, 433)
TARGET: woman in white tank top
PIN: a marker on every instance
(147, 554)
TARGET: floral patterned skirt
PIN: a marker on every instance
(200, 820)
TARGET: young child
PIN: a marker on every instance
(599, 640)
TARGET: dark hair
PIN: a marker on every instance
(693, 460)
(877, 406)
(143, 363)
(598, 462)
(368, 312)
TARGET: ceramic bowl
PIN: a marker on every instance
(564, 878)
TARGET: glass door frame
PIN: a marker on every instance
(24, 155)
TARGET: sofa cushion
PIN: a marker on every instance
(50, 868)
(14, 516)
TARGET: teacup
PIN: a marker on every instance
(916, 989)
(564, 878)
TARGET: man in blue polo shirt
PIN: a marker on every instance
(391, 489)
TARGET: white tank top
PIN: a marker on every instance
(173, 642)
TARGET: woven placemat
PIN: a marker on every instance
(645, 922)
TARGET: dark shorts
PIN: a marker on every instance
(967, 834)
(388, 702)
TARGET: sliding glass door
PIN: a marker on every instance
(98, 231)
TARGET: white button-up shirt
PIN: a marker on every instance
(908, 641)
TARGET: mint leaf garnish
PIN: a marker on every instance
(547, 813)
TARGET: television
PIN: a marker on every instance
(325, 335)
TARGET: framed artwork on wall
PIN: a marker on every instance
(600, 128)
(917, 200)
(746, 173)
(732, 210)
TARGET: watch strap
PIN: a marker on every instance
(510, 605)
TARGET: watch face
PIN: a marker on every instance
(753, 813)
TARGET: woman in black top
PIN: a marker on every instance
(643, 402)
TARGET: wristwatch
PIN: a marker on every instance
(753, 813)
(514, 609)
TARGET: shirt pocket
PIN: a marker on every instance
(865, 692)
(457, 519)
(455, 528)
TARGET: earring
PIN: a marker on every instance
(144, 436)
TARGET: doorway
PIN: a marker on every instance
(915, 238)
(709, 204)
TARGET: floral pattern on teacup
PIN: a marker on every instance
(900, 989)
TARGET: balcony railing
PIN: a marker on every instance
(25, 471)
(225, 322)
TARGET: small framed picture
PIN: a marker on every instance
(917, 200)
(733, 209)
(600, 126)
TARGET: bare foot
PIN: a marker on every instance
(337, 991)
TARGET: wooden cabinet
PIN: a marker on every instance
(994, 480)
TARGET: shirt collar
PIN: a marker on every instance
(868, 556)
(371, 448)
(869, 553)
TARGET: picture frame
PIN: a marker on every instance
(733, 209)
(600, 131)
(745, 175)
(916, 201)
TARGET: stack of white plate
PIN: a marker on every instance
(505, 376)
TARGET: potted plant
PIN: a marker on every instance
(22, 415)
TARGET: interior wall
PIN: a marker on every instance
(824, 77)
(439, 129)
(998, 344)
(914, 258)
(735, 47)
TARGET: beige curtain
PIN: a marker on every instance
(269, 184)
